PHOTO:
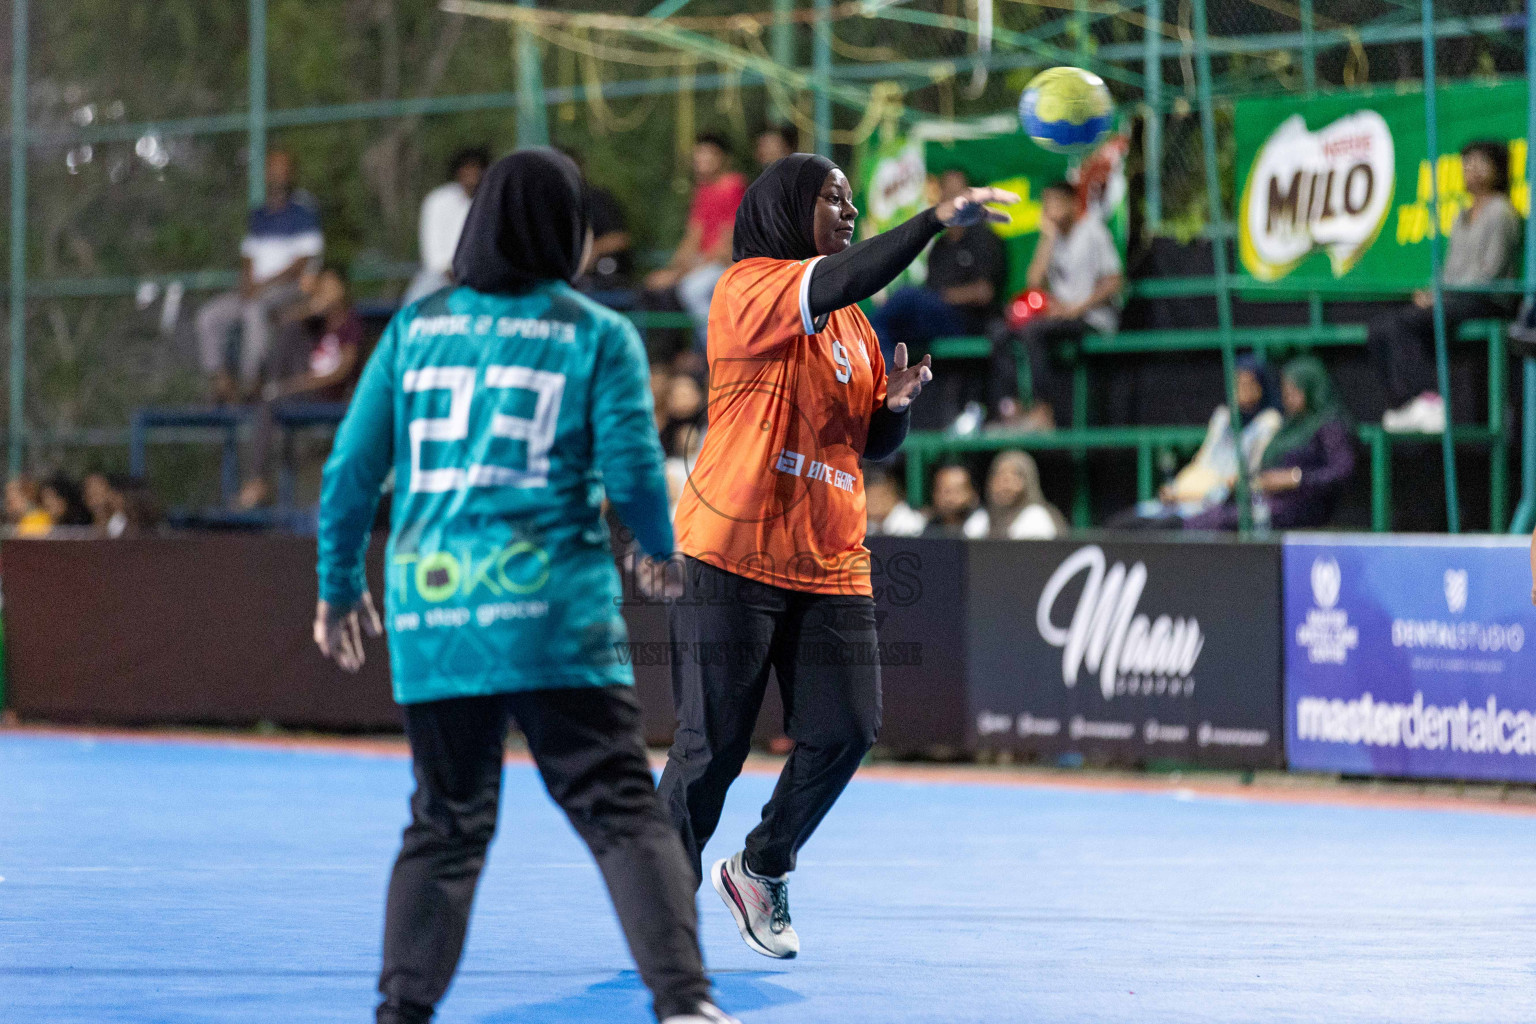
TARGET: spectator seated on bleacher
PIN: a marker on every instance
(1209, 477)
(443, 212)
(887, 508)
(282, 241)
(60, 497)
(1305, 466)
(705, 250)
(608, 274)
(967, 270)
(1078, 267)
(121, 506)
(1484, 247)
(954, 499)
(1016, 508)
(318, 360)
(24, 511)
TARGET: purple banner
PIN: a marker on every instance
(1410, 657)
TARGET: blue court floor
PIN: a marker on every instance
(190, 883)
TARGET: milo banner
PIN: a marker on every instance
(898, 181)
(1126, 653)
(1339, 187)
(1410, 656)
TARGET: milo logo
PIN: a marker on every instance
(1330, 189)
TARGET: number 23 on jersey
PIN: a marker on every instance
(475, 414)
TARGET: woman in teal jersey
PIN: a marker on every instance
(508, 408)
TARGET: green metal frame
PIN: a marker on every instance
(830, 84)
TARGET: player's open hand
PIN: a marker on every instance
(339, 631)
(970, 207)
(904, 383)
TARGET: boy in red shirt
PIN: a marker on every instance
(705, 250)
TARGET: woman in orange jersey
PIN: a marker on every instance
(771, 521)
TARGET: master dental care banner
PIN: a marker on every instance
(1407, 657)
(1338, 188)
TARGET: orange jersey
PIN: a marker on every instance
(777, 495)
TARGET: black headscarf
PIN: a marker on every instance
(528, 224)
(776, 217)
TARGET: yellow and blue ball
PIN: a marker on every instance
(1066, 110)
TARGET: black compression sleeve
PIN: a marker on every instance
(886, 432)
(860, 270)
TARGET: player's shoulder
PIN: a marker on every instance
(762, 271)
(590, 317)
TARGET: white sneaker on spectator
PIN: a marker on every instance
(707, 1013)
(969, 421)
(1424, 415)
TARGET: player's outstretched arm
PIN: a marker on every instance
(349, 498)
(626, 449)
(861, 270)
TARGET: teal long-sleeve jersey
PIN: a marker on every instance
(506, 420)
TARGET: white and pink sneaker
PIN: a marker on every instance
(1423, 415)
(760, 906)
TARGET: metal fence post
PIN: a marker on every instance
(18, 297)
(822, 68)
(1218, 237)
(1152, 133)
(532, 118)
(1308, 48)
(1442, 356)
(256, 102)
(1525, 512)
(781, 43)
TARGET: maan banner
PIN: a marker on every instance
(1410, 657)
(1126, 653)
(1339, 187)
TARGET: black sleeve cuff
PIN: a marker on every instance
(887, 430)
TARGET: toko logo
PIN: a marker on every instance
(1325, 582)
(1456, 590)
(1106, 634)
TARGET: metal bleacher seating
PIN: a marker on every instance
(923, 448)
(224, 425)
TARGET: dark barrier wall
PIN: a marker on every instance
(217, 630)
(1127, 653)
(186, 630)
(204, 630)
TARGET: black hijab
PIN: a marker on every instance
(777, 216)
(528, 224)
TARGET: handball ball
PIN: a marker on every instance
(1066, 110)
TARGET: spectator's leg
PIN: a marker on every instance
(214, 322)
(1040, 336)
(255, 491)
(694, 290)
(914, 317)
(1003, 370)
(1381, 338)
(257, 315)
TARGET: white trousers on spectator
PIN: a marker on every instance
(694, 290)
(254, 315)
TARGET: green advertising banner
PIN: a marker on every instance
(896, 182)
(1336, 191)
